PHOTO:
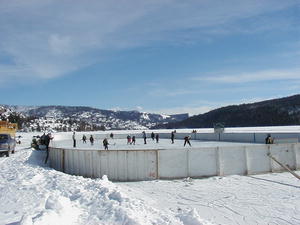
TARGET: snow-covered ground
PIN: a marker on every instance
(32, 193)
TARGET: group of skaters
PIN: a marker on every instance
(84, 139)
(92, 140)
(131, 140)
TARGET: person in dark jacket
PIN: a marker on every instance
(133, 140)
(74, 140)
(269, 139)
(42, 139)
(152, 136)
(172, 137)
(157, 138)
(84, 139)
(111, 135)
(105, 144)
(144, 137)
(92, 140)
(187, 140)
(48, 138)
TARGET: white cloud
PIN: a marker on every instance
(258, 76)
(51, 38)
(60, 44)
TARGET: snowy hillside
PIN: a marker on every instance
(33, 194)
(66, 118)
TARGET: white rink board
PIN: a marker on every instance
(285, 155)
(117, 165)
(172, 165)
(203, 162)
(132, 165)
(257, 159)
(232, 160)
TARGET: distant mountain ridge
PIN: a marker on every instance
(66, 118)
(275, 112)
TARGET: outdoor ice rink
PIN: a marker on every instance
(121, 144)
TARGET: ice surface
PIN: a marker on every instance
(121, 144)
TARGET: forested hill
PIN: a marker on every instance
(281, 111)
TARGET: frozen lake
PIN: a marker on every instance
(121, 144)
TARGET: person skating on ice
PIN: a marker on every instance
(172, 137)
(128, 139)
(144, 137)
(92, 140)
(187, 140)
(84, 139)
(74, 140)
(105, 144)
(133, 140)
(152, 136)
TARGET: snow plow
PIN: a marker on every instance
(8, 128)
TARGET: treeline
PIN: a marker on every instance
(276, 112)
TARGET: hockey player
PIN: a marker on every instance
(144, 137)
(133, 140)
(74, 140)
(172, 137)
(105, 144)
(84, 139)
(152, 136)
(187, 140)
(128, 139)
(92, 140)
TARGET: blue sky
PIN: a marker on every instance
(165, 56)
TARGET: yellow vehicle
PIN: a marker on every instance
(8, 128)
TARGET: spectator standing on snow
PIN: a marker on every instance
(172, 137)
(111, 135)
(187, 140)
(92, 140)
(48, 138)
(157, 138)
(42, 139)
(74, 140)
(84, 139)
(128, 139)
(144, 137)
(152, 136)
(105, 144)
(133, 140)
